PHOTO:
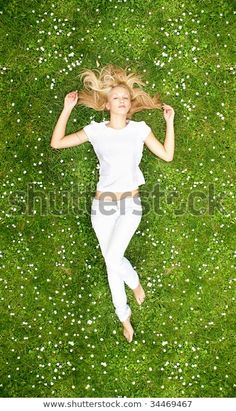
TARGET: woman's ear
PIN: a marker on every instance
(107, 106)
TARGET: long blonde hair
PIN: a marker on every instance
(97, 87)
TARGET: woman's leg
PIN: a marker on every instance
(114, 232)
(104, 216)
(117, 265)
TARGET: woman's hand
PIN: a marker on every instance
(71, 100)
(168, 112)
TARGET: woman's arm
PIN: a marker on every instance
(59, 140)
(164, 151)
(169, 143)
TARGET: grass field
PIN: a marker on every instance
(60, 336)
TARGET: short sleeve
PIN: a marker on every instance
(145, 130)
(90, 131)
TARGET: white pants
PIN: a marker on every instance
(114, 223)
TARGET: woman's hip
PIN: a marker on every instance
(126, 206)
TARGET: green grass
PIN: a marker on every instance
(59, 333)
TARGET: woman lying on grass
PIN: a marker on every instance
(116, 209)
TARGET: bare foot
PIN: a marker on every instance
(139, 294)
(128, 330)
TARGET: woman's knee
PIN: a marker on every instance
(113, 259)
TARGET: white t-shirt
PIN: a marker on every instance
(119, 152)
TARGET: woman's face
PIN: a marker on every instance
(118, 100)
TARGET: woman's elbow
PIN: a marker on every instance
(169, 159)
(53, 146)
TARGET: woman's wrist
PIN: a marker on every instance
(170, 122)
(67, 110)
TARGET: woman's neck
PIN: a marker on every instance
(117, 122)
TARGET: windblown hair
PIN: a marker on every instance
(97, 87)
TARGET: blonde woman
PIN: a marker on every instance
(118, 143)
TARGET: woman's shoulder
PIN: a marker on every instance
(139, 124)
(141, 130)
